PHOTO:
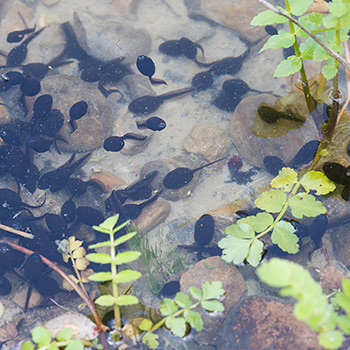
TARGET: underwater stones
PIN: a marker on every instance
(34, 301)
(214, 269)
(125, 8)
(98, 38)
(262, 323)
(234, 14)
(107, 180)
(341, 243)
(4, 113)
(256, 139)
(208, 140)
(66, 91)
(50, 3)
(153, 215)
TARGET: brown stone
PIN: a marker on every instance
(341, 243)
(34, 301)
(107, 180)
(214, 269)
(4, 113)
(208, 140)
(262, 323)
(125, 8)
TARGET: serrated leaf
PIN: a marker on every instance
(330, 21)
(126, 257)
(271, 201)
(255, 253)
(124, 300)
(196, 293)
(79, 253)
(105, 300)
(127, 276)
(298, 7)
(329, 71)
(338, 9)
(234, 249)
(259, 223)
(331, 339)
(53, 346)
(288, 67)
(311, 21)
(285, 180)
(240, 230)
(307, 50)
(64, 334)
(283, 235)
(267, 17)
(101, 277)
(27, 345)
(150, 340)
(41, 336)
(212, 290)
(282, 39)
(176, 325)
(145, 325)
(100, 258)
(212, 305)
(194, 318)
(317, 181)
(303, 204)
(75, 344)
(168, 307)
(183, 300)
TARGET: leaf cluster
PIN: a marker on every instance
(312, 306)
(332, 29)
(243, 238)
(179, 312)
(41, 339)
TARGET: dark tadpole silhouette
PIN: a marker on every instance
(149, 104)
(146, 66)
(116, 143)
(180, 177)
(305, 155)
(18, 35)
(273, 164)
(30, 87)
(132, 211)
(12, 200)
(270, 116)
(77, 111)
(340, 175)
(41, 144)
(89, 216)
(169, 289)
(317, 229)
(68, 211)
(202, 81)
(153, 123)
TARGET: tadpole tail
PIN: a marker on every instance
(175, 93)
(35, 206)
(29, 294)
(203, 64)
(133, 136)
(32, 36)
(155, 81)
(205, 165)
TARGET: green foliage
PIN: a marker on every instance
(41, 339)
(178, 312)
(108, 227)
(312, 306)
(332, 29)
(243, 238)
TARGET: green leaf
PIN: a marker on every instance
(338, 9)
(196, 293)
(329, 71)
(27, 345)
(240, 230)
(288, 67)
(343, 301)
(212, 305)
(100, 229)
(282, 39)
(317, 181)
(100, 258)
(101, 277)
(145, 325)
(100, 244)
(330, 21)
(150, 340)
(176, 325)
(283, 235)
(258, 223)
(127, 276)
(308, 48)
(268, 17)
(331, 340)
(183, 300)
(311, 21)
(75, 344)
(105, 300)
(298, 7)
(168, 307)
(194, 318)
(271, 201)
(41, 336)
(234, 249)
(285, 180)
(64, 334)
(53, 346)
(126, 257)
(124, 238)
(343, 323)
(123, 300)
(255, 253)
(212, 290)
(346, 286)
(109, 223)
(303, 204)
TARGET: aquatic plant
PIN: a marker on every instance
(319, 311)
(244, 243)
(114, 259)
(178, 312)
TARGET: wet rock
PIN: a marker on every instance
(208, 140)
(256, 139)
(262, 323)
(153, 215)
(34, 301)
(107, 180)
(214, 269)
(50, 3)
(234, 14)
(4, 113)
(138, 86)
(341, 243)
(67, 90)
(99, 38)
(125, 8)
